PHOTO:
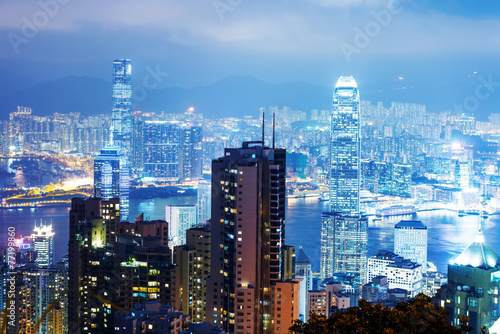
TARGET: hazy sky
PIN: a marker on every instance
(201, 41)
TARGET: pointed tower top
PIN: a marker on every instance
(479, 254)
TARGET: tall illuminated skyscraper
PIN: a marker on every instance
(345, 150)
(122, 103)
(249, 259)
(43, 243)
(344, 232)
(111, 177)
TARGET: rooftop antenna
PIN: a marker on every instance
(274, 126)
(263, 123)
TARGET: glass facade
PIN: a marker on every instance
(162, 155)
(345, 148)
(344, 233)
(122, 103)
(111, 177)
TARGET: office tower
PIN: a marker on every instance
(138, 150)
(191, 146)
(192, 262)
(410, 241)
(122, 104)
(303, 270)
(473, 285)
(43, 244)
(248, 238)
(344, 246)
(180, 218)
(204, 202)
(462, 177)
(344, 233)
(401, 180)
(111, 177)
(162, 156)
(345, 148)
(401, 273)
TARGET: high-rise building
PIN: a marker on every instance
(106, 274)
(122, 104)
(345, 149)
(43, 244)
(192, 262)
(401, 273)
(344, 246)
(204, 202)
(180, 218)
(303, 270)
(162, 155)
(248, 252)
(112, 178)
(191, 146)
(473, 286)
(410, 241)
(344, 233)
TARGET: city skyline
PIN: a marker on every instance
(241, 167)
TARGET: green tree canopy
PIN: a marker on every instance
(418, 315)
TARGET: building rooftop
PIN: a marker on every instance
(302, 257)
(413, 224)
(479, 255)
(346, 82)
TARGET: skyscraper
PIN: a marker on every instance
(180, 218)
(204, 202)
(122, 103)
(162, 156)
(473, 286)
(111, 177)
(248, 251)
(345, 149)
(410, 241)
(191, 142)
(43, 243)
(344, 233)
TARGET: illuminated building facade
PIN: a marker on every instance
(344, 233)
(473, 286)
(248, 253)
(204, 202)
(345, 148)
(191, 146)
(43, 244)
(410, 241)
(162, 155)
(344, 246)
(180, 219)
(112, 178)
(192, 268)
(121, 122)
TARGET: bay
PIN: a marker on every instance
(448, 234)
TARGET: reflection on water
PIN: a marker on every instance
(448, 234)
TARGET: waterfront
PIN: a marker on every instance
(448, 234)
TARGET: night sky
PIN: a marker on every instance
(198, 42)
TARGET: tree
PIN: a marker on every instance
(418, 315)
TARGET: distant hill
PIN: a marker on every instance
(232, 96)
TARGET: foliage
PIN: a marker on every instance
(418, 315)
